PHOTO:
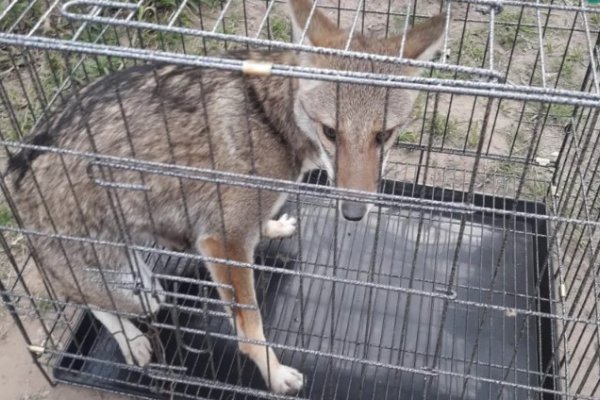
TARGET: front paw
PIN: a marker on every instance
(137, 351)
(283, 227)
(286, 380)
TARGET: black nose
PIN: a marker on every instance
(353, 211)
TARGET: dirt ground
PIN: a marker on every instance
(22, 380)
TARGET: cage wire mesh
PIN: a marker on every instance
(475, 276)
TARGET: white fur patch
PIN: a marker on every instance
(285, 226)
(286, 380)
(136, 347)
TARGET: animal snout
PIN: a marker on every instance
(353, 211)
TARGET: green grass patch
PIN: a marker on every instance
(508, 168)
(211, 4)
(280, 29)
(509, 34)
(22, 16)
(408, 137)
(474, 135)
(560, 112)
(6, 217)
(44, 306)
(441, 127)
(474, 46)
(573, 61)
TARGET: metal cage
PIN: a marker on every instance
(475, 276)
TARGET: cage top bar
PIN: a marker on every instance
(213, 34)
(486, 80)
(473, 88)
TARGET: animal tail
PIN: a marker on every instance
(20, 162)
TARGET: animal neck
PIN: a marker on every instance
(273, 99)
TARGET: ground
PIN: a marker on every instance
(21, 379)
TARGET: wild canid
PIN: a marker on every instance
(268, 126)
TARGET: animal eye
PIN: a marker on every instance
(329, 132)
(383, 136)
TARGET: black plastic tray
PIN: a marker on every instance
(513, 345)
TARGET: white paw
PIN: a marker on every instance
(138, 352)
(283, 227)
(286, 380)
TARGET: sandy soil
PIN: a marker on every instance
(21, 379)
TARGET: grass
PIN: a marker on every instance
(535, 190)
(473, 46)
(51, 68)
(44, 306)
(22, 16)
(508, 168)
(213, 5)
(474, 135)
(573, 61)
(419, 105)
(508, 34)
(408, 137)
(6, 217)
(560, 112)
(441, 127)
(280, 29)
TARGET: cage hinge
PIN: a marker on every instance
(257, 68)
(563, 290)
(37, 350)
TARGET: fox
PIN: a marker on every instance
(269, 126)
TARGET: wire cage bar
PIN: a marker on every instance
(474, 275)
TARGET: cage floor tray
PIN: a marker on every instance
(363, 342)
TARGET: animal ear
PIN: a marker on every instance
(320, 32)
(423, 41)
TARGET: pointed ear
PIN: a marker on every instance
(424, 40)
(321, 31)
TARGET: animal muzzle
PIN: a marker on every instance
(357, 170)
(353, 211)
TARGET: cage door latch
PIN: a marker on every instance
(100, 181)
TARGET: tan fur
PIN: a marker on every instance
(270, 127)
(320, 31)
(363, 178)
(247, 322)
(420, 38)
(360, 112)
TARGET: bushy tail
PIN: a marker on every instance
(20, 162)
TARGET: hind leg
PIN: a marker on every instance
(280, 378)
(136, 347)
